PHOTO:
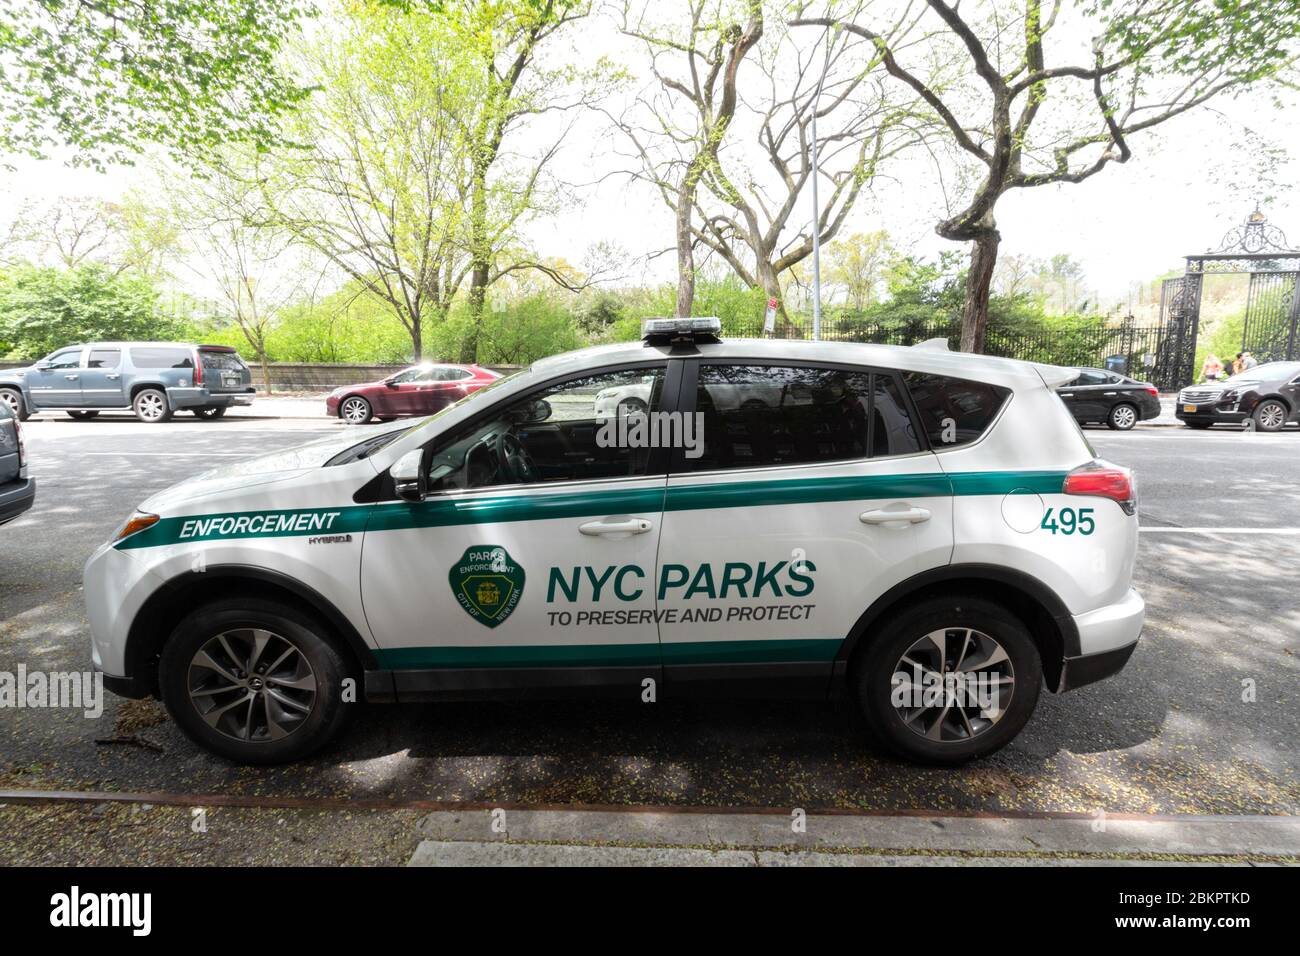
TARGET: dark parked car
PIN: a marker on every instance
(1268, 394)
(418, 390)
(152, 379)
(1110, 398)
(17, 491)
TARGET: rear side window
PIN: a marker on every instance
(756, 416)
(954, 411)
(221, 361)
(162, 358)
(104, 358)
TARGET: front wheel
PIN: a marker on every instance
(81, 415)
(255, 681)
(950, 680)
(210, 411)
(1122, 418)
(14, 399)
(355, 410)
(151, 406)
(1270, 415)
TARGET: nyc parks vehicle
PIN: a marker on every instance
(928, 534)
(418, 390)
(1267, 395)
(17, 491)
(1108, 398)
(153, 379)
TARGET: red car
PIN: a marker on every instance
(418, 390)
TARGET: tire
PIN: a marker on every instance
(215, 411)
(1198, 425)
(151, 406)
(1122, 417)
(355, 410)
(216, 630)
(955, 619)
(1270, 415)
(14, 399)
(82, 415)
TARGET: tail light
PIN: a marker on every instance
(22, 452)
(198, 368)
(1101, 479)
(1152, 390)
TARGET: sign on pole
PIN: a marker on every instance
(769, 320)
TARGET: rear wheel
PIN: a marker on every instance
(82, 415)
(14, 399)
(1122, 417)
(949, 680)
(151, 406)
(355, 410)
(255, 681)
(210, 411)
(1270, 415)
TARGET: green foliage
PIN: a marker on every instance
(531, 329)
(109, 76)
(42, 309)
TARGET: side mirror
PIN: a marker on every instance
(534, 413)
(44, 365)
(391, 382)
(408, 476)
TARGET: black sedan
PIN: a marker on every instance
(1109, 398)
(1268, 395)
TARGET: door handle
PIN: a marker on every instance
(112, 376)
(1066, 394)
(72, 378)
(1109, 393)
(885, 516)
(619, 526)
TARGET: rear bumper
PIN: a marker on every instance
(1078, 671)
(16, 497)
(1107, 637)
(203, 398)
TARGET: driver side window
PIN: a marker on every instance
(68, 358)
(564, 433)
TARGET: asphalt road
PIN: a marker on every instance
(1169, 734)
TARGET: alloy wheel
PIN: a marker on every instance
(150, 406)
(356, 410)
(251, 684)
(12, 401)
(1124, 417)
(953, 684)
(1272, 416)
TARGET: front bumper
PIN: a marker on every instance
(16, 497)
(203, 398)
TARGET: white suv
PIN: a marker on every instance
(926, 532)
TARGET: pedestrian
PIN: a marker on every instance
(1248, 360)
(1237, 365)
(1211, 369)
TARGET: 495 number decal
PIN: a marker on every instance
(1069, 521)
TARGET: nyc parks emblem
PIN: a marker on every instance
(487, 583)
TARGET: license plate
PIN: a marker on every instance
(1189, 408)
(230, 381)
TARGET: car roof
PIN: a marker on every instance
(118, 345)
(938, 361)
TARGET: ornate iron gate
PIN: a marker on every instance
(1272, 315)
(1180, 314)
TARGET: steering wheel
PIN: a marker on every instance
(513, 459)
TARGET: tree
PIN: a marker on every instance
(43, 308)
(687, 112)
(857, 264)
(131, 235)
(379, 187)
(252, 263)
(502, 39)
(106, 76)
(1149, 61)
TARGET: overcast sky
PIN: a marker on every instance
(1183, 189)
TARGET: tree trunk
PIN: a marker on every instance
(979, 279)
(771, 285)
(685, 245)
(266, 370)
(417, 338)
(480, 265)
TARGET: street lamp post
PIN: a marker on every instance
(816, 216)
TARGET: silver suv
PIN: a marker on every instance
(153, 379)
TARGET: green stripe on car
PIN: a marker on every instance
(480, 509)
(817, 650)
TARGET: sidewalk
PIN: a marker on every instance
(659, 838)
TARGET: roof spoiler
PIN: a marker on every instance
(1054, 376)
(933, 345)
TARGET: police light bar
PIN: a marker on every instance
(702, 327)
